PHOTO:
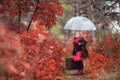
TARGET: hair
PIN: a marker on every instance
(75, 32)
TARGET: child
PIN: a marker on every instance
(78, 52)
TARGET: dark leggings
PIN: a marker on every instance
(80, 65)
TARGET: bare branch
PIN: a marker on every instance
(37, 7)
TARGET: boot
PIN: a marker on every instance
(79, 72)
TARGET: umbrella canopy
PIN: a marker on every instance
(79, 23)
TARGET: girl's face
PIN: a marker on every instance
(77, 34)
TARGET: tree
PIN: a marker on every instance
(45, 12)
(34, 54)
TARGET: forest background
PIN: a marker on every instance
(34, 45)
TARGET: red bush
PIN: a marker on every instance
(28, 56)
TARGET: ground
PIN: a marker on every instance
(69, 75)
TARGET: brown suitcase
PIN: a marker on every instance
(70, 64)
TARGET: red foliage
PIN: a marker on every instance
(97, 61)
(96, 21)
(12, 69)
(105, 56)
(41, 53)
(109, 45)
(27, 56)
(45, 12)
(34, 54)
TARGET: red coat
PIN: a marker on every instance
(77, 48)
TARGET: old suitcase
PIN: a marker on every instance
(70, 64)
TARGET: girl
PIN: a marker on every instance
(79, 53)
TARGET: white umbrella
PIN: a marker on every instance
(79, 23)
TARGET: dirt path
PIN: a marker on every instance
(69, 75)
